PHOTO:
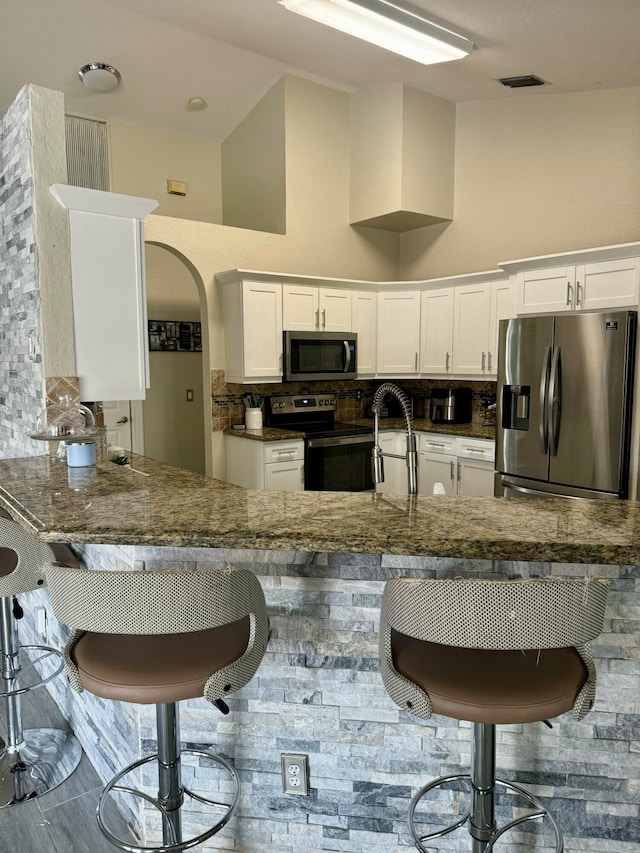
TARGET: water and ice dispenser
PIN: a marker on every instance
(516, 406)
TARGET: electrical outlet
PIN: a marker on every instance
(295, 774)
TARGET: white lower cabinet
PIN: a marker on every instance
(464, 466)
(395, 470)
(271, 465)
(437, 463)
(476, 463)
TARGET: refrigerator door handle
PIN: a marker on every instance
(554, 402)
(544, 386)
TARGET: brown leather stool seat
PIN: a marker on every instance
(150, 669)
(36, 760)
(484, 686)
(158, 637)
(490, 652)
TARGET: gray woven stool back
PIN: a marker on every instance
(33, 555)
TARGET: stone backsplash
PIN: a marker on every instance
(352, 396)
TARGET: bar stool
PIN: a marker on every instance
(158, 637)
(490, 652)
(32, 761)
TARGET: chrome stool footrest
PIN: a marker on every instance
(167, 823)
(541, 813)
(49, 651)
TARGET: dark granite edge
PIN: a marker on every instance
(455, 548)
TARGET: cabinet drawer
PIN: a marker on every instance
(283, 451)
(435, 443)
(476, 448)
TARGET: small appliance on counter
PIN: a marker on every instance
(450, 406)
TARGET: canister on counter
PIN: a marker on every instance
(80, 454)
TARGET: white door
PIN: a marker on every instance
(300, 311)
(436, 341)
(117, 419)
(364, 313)
(436, 468)
(471, 328)
(335, 309)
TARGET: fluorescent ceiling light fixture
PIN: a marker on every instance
(394, 26)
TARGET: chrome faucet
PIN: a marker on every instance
(377, 465)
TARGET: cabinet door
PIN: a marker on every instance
(475, 478)
(471, 328)
(436, 468)
(284, 476)
(335, 309)
(502, 308)
(261, 329)
(547, 291)
(436, 334)
(395, 470)
(363, 322)
(398, 333)
(609, 284)
(300, 311)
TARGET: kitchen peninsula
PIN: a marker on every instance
(322, 559)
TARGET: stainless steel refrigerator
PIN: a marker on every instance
(564, 399)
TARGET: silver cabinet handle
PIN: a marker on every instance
(453, 473)
(415, 362)
(317, 318)
(459, 471)
(446, 363)
(489, 364)
(578, 294)
(324, 318)
(484, 357)
(569, 293)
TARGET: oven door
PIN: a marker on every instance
(339, 464)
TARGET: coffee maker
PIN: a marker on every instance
(450, 406)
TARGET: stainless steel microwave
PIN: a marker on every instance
(319, 355)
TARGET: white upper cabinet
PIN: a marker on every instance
(364, 312)
(300, 312)
(472, 307)
(503, 307)
(608, 284)
(252, 314)
(316, 309)
(108, 289)
(547, 291)
(436, 332)
(587, 280)
(459, 326)
(398, 333)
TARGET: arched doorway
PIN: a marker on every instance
(173, 423)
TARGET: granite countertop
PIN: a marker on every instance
(386, 425)
(156, 504)
(266, 434)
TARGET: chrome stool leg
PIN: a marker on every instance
(36, 760)
(171, 791)
(480, 819)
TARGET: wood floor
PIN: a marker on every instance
(62, 821)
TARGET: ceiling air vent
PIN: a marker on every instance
(521, 82)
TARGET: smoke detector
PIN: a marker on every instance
(522, 82)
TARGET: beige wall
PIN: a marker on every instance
(536, 175)
(253, 167)
(174, 430)
(142, 160)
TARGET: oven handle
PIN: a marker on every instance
(339, 441)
